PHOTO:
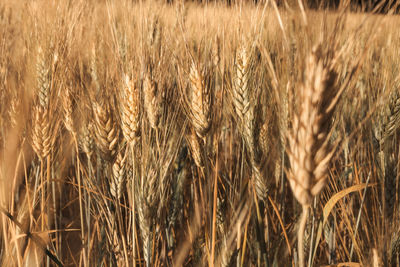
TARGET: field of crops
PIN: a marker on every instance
(147, 134)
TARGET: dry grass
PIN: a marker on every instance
(189, 135)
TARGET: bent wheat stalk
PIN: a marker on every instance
(309, 148)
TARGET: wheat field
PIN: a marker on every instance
(185, 134)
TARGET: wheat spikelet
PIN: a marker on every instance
(130, 111)
(106, 129)
(117, 185)
(200, 103)
(151, 102)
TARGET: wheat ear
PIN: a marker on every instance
(106, 129)
(42, 136)
(130, 123)
(117, 184)
(244, 107)
(387, 155)
(393, 120)
(309, 148)
(130, 111)
(85, 139)
(67, 104)
(200, 102)
(151, 101)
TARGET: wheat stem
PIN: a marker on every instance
(300, 237)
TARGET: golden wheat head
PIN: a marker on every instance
(309, 148)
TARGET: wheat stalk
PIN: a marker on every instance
(309, 148)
